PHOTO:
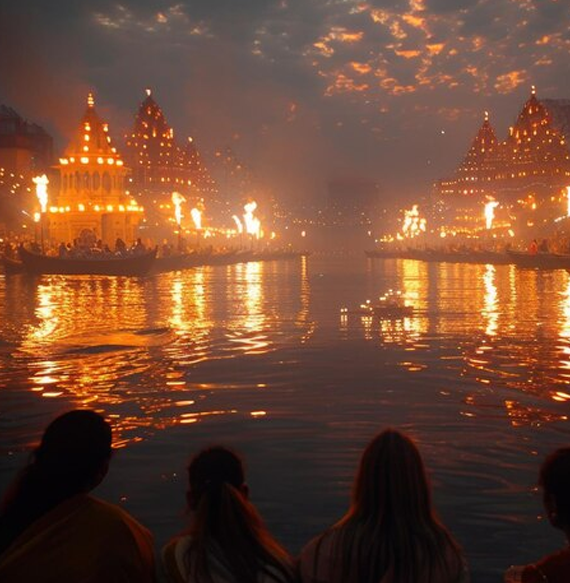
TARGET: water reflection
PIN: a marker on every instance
(509, 329)
(142, 350)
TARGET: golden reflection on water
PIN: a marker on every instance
(490, 311)
(511, 330)
(131, 348)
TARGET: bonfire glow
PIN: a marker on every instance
(177, 200)
(490, 212)
(238, 223)
(413, 224)
(41, 183)
(252, 223)
(197, 218)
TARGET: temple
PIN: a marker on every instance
(526, 174)
(93, 200)
(160, 165)
(533, 159)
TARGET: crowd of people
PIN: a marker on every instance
(53, 529)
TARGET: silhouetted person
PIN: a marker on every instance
(554, 480)
(543, 247)
(52, 530)
(226, 541)
(390, 533)
(533, 247)
(120, 246)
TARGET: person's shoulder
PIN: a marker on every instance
(555, 567)
(114, 516)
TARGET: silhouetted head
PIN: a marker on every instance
(555, 481)
(72, 458)
(391, 480)
(77, 446)
(211, 469)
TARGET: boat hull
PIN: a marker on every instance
(132, 265)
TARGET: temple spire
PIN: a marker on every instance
(90, 100)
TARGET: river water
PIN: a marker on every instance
(257, 356)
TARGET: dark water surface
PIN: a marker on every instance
(257, 356)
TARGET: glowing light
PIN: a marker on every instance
(252, 223)
(568, 201)
(197, 218)
(177, 200)
(41, 183)
(90, 100)
(490, 212)
(413, 224)
(238, 223)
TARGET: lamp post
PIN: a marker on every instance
(41, 183)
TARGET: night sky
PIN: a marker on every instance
(303, 90)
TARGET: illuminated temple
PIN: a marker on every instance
(160, 165)
(530, 167)
(93, 200)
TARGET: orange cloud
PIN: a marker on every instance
(344, 84)
(407, 54)
(510, 81)
(361, 68)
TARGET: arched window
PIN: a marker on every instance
(77, 181)
(65, 182)
(86, 181)
(96, 181)
(106, 182)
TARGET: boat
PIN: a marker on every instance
(540, 260)
(389, 306)
(129, 265)
(473, 256)
(12, 266)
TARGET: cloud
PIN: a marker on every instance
(372, 81)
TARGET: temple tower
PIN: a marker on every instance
(93, 198)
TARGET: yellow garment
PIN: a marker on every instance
(83, 540)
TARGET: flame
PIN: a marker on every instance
(413, 224)
(41, 183)
(177, 200)
(197, 218)
(238, 223)
(490, 212)
(252, 224)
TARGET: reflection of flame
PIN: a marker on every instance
(490, 212)
(197, 218)
(491, 301)
(41, 183)
(413, 224)
(252, 224)
(177, 200)
(238, 223)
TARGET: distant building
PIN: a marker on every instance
(93, 200)
(160, 165)
(533, 160)
(24, 147)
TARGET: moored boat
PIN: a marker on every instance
(12, 266)
(540, 260)
(135, 264)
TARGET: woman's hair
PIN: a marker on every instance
(226, 530)
(390, 533)
(71, 459)
(555, 481)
